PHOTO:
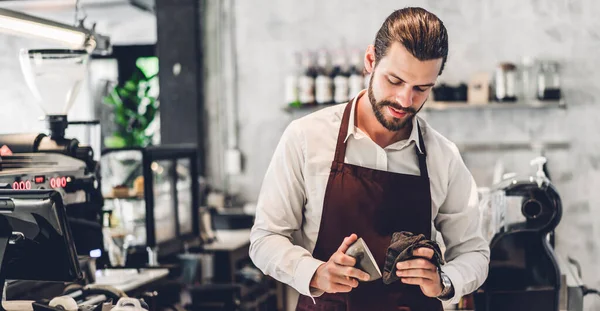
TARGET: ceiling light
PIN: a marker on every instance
(21, 24)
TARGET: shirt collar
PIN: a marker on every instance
(354, 131)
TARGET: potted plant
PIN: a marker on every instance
(135, 105)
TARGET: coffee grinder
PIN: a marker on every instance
(52, 161)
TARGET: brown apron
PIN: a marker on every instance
(373, 204)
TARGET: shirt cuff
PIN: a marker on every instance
(304, 273)
(457, 283)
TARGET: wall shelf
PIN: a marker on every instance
(537, 104)
(306, 108)
(451, 106)
(513, 146)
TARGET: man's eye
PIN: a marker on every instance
(393, 82)
(418, 89)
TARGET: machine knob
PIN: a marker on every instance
(84, 153)
(64, 302)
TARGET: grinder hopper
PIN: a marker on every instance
(54, 76)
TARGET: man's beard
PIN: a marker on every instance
(394, 124)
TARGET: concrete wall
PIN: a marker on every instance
(482, 33)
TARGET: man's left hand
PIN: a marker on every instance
(421, 272)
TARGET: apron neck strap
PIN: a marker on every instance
(422, 154)
(340, 149)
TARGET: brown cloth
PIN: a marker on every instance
(401, 249)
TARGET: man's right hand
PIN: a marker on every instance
(338, 274)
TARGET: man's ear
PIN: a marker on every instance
(370, 59)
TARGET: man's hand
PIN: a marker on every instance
(338, 275)
(421, 272)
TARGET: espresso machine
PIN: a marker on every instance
(36, 245)
(525, 272)
(32, 161)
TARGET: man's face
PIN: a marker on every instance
(400, 85)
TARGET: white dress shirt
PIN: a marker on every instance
(290, 203)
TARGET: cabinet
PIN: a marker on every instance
(151, 200)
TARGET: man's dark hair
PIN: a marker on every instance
(422, 33)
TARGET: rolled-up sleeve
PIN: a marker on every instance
(279, 213)
(467, 252)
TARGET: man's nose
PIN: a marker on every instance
(404, 96)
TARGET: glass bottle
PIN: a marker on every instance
(506, 82)
(306, 82)
(323, 82)
(528, 79)
(356, 80)
(292, 96)
(548, 81)
(341, 76)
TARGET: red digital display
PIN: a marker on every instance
(22, 185)
(55, 182)
(58, 182)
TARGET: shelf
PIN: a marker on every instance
(513, 146)
(447, 106)
(306, 108)
(537, 104)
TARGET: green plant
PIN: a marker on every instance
(134, 110)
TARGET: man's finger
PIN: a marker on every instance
(343, 259)
(419, 263)
(416, 281)
(342, 280)
(416, 273)
(354, 273)
(347, 242)
(423, 252)
(338, 288)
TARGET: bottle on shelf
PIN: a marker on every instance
(341, 75)
(548, 82)
(306, 81)
(292, 96)
(528, 79)
(356, 80)
(505, 81)
(323, 82)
